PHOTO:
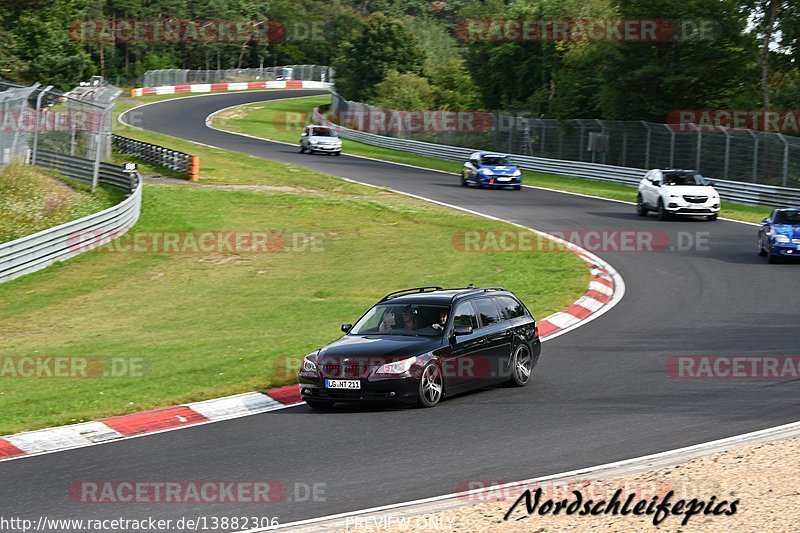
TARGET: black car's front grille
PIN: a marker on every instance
(696, 199)
(346, 370)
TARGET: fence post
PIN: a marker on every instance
(647, 146)
(755, 155)
(727, 151)
(624, 145)
(671, 146)
(699, 148)
(38, 125)
(603, 131)
(785, 159)
(97, 155)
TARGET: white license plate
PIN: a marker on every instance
(503, 179)
(342, 384)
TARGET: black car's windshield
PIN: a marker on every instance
(494, 160)
(322, 132)
(683, 178)
(403, 319)
(787, 217)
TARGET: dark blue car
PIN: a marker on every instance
(779, 235)
(489, 169)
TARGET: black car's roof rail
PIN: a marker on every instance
(412, 290)
(472, 288)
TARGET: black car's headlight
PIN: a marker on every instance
(398, 367)
(310, 363)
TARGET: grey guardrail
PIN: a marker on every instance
(37, 251)
(733, 191)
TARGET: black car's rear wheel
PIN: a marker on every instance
(319, 404)
(431, 386)
(521, 367)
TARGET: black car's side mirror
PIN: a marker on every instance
(462, 330)
(346, 327)
(765, 221)
(710, 183)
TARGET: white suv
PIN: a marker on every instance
(677, 192)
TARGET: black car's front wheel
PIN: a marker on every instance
(521, 367)
(431, 386)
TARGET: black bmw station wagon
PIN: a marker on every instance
(420, 345)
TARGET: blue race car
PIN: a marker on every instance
(488, 169)
(779, 235)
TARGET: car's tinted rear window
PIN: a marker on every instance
(510, 307)
(487, 311)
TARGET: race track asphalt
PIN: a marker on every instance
(601, 393)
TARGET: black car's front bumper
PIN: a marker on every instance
(401, 389)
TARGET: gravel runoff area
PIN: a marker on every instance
(762, 477)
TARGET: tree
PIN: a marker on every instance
(383, 44)
(406, 92)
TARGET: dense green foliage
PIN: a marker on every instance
(418, 53)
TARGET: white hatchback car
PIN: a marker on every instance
(320, 139)
(671, 192)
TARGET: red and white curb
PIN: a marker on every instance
(230, 86)
(146, 422)
(600, 293)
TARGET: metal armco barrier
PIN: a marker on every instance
(160, 156)
(733, 191)
(37, 251)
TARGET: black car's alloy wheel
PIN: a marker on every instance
(521, 367)
(431, 386)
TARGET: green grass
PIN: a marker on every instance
(211, 324)
(283, 120)
(33, 199)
